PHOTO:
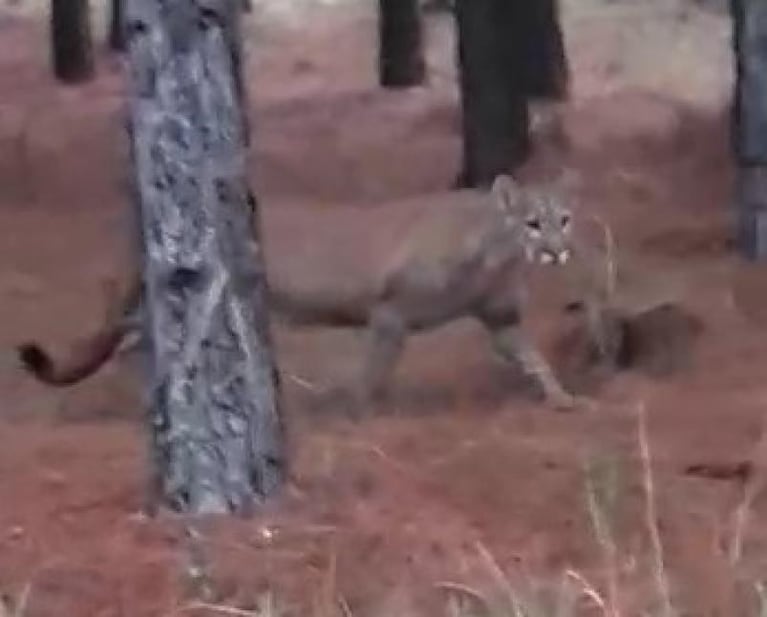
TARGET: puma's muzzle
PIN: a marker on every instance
(549, 257)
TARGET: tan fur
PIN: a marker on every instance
(418, 267)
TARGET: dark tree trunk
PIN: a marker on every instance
(438, 6)
(71, 42)
(749, 125)
(400, 46)
(116, 32)
(495, 115)
(214, 396)
(537, 42)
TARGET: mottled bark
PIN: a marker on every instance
(116, 35)
(214, 392)
(400, 46)
(71, 41)
(749, 125)
(492, 79)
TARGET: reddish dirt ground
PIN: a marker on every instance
(378, 512)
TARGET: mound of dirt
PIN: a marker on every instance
(656, 341)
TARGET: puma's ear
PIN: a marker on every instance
(507, 194)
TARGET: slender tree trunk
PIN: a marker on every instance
(400, 47)
(71, 42)
(214, 392)
(749, 125)
(494, 105)
(116, 32)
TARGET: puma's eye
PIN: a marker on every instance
(565, 220)
(533, 224)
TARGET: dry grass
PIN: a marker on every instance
(574, 594)
(754, 485)
(571, 593)
(651, 516)
(609, 588)
(267, 607)
(605, 590)
(15, 607)
(602, 487)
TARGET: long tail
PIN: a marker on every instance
(94, 352)
(88, 354)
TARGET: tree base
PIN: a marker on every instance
(751, 208)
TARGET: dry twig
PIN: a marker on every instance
(651, 516)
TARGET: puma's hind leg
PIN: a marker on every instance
(387, 332)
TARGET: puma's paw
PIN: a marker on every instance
(569, 402)
(365, 403)
(347, 401)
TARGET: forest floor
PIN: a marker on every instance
(467, 464)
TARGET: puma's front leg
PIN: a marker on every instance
(510, 342)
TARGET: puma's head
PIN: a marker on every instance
(540, 216)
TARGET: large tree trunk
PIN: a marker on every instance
(400, 46)
(116, 32)
(71, 42)
(749, 125)
(492, 76)
(214, 392)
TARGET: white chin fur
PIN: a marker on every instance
(563, 257)
(546, 258)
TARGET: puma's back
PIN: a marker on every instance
(327, 264)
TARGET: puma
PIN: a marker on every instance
(418, 266)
